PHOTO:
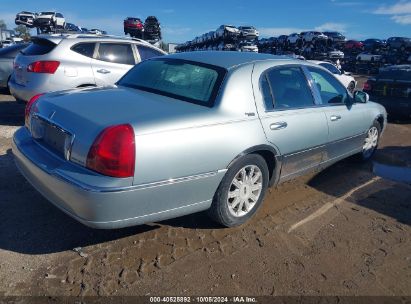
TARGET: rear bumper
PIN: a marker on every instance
(20, 92)
(105, 207)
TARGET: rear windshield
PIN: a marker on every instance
(39, 47)
(185, 80)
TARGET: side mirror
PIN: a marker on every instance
(361, 97)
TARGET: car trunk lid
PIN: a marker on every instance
(82, 114)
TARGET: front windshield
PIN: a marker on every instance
(185, 80)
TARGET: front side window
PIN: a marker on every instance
(330, 89)
(147, 52)
(116, 53)
(289, 88)
(185, 80)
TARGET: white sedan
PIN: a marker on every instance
(345, 78)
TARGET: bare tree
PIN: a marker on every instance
(23, 32)
(3, 25)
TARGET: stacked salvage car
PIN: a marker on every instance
(51, 22)
(225, 38)
(370, 55)
(150, 30)
(311, 45)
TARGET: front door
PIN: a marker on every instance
(347, 121)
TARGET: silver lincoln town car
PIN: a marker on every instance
(191, 132)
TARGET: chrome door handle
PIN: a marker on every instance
(103, 71)
(278, 125)
(335, 117)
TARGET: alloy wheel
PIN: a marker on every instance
(371, 142)
(245, 190)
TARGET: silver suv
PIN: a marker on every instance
(60, 62)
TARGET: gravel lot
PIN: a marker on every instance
(344, 231)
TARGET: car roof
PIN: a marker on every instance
(228, 60)
(57, 38)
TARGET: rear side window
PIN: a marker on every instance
(147, 52)
(85, 49)
(266, 91)
(39, 47)
(289, 88)
(116, 53)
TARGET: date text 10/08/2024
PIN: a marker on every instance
(203, 300)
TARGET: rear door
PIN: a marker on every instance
(291, 119)
(111, 61)
(347, 121)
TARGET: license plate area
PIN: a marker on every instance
(51, 136)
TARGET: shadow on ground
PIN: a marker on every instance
(11, 112)
(29, 224)
(393, 200)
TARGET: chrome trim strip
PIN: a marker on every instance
(325, 145)
(58, 174)
(146, 215)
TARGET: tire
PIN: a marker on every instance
(232, 211)
(373, 140)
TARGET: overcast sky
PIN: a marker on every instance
(183, 20)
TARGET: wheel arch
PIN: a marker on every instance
(380, 120)
(271, 157)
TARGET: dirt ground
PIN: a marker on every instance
(344, 231)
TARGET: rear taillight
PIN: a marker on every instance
(113, 152)
(367, 86)
(48, 67)
(28, 109)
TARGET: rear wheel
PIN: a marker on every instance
(241, 191)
